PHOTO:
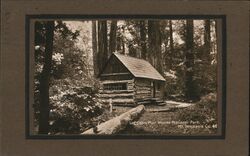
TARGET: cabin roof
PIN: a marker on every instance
(139, 67)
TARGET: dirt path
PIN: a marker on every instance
(170, 106)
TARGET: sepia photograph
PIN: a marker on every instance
(125, 77)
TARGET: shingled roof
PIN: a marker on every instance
(139, 67)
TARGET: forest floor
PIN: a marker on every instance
(163, 120)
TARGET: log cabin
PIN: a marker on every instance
(126, 80)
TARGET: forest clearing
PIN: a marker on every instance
(154, 77)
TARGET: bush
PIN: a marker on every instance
(204, 111)
(73, 109)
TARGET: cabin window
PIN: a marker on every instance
(115, 86)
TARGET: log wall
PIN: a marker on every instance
(137, 89)
(143, 89)
(119, 97)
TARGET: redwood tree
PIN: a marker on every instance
(143, 35)
(190, 86)
(154, 39)
(207, 42)
(94, 47)
(102, 55)
(171, 51)
(112, 38)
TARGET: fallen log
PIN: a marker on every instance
(118, 123)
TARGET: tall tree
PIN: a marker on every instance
(190, 86)
(112, 38)
(102, 44)
(154, 39)
(44, 79)
(206, 68)
(94, 47)
(120, 43)
(207, 42)
(171, 51)
(57, 37)
(132, 51)
(143, 35)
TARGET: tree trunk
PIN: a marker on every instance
(154, 38)
(190, 88)
(94, 47)
(151, 41)
(218, 36)
(171, 44)
(112, 39)
(44, 80)
(207, 43)
(123, 47)
(132, 51)
(143, 39)
(102, 56)
(206, 58)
